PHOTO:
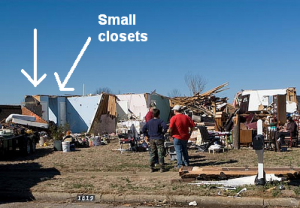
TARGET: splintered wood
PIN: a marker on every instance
(231, 172)
(204, 103)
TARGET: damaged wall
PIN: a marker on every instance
(57, 110)
(81, 112)
(136, 103)
(26, 111)
(163, 104)
(104, 124)
(122, 109)
(105, 117)
(258, 99)
(139, 104)
(44, 100)
(32, 104)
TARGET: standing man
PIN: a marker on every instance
(155, 130)
(149, 115)
(181, 127)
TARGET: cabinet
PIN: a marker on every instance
(246, 137)
(279, 108)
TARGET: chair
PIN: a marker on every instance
(270, 138)
(291, 141)
(206, 139)
(128, 138)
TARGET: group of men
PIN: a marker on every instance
(180, 129)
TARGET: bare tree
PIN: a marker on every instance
(104, 89)
(174, 93)
(195, 83)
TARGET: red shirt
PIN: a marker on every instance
(180, 125)
(149, 116)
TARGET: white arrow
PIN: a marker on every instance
(34, 81)
(62, 85)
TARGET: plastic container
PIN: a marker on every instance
(90, 142)
(72, 147)
(66, 146)
(173, 156)
(57, 145)
(42, 141)
(96, 141)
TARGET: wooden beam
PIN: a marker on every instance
(187, 172)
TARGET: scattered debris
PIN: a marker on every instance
(271, 189)
(233, 172)
(241, 191)
(227, 188)
(235, 182)
(193, 203)
(206, 107)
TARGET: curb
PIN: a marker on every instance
(292, 202)
(201, 200)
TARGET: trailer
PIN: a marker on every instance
(12, 143)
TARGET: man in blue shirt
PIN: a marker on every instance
(155, 130)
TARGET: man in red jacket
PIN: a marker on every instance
(149, 115)
(181, 127)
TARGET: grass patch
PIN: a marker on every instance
(275, 193)
(128, 173)
(297, 190)
(112, 185)
(81, 185)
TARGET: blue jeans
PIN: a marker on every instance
(181, 150)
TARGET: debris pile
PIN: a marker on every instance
(205, 103)
(206, 108)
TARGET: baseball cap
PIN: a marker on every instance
(152, 105)
(176, 107)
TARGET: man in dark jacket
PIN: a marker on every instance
(155, 130)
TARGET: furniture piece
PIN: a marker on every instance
(204, 139)
(224, 136)
(128, 139)
(246, 137)
(270, 137)
(215, 150)
(279, 108)
(291, 141)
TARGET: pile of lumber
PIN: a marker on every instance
(233, 172)
(204, 103)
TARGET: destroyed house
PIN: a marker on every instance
(92, 114)
(206, 108)
(278, 102)
(137, 106)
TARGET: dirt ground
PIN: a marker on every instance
(102, 170)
